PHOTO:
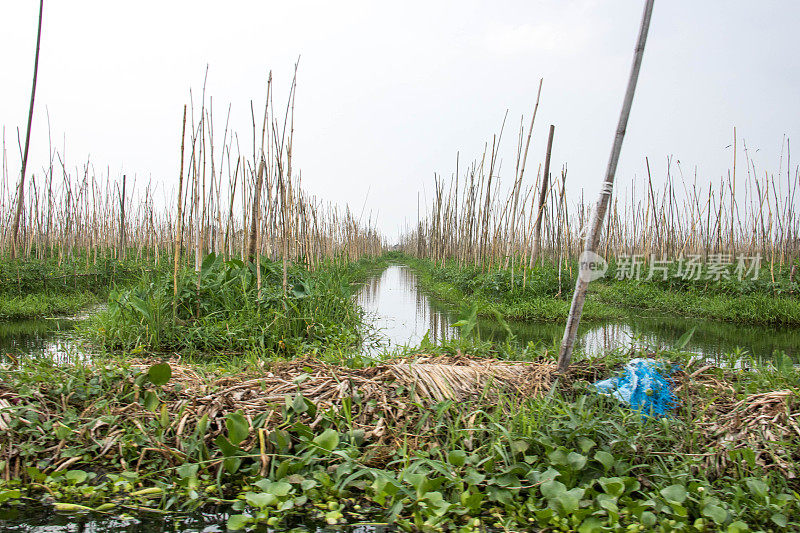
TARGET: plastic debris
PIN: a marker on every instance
(644, 385)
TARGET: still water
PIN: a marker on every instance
(42, 519)
(49, 338)
(403, 314)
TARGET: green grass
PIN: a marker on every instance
(44, 305)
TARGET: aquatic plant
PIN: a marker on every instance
(381, 449)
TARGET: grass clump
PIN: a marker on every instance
(220, 310)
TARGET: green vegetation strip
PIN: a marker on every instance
(542, 293)
(33, 288)
(344, 444)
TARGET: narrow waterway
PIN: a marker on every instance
(402, 314)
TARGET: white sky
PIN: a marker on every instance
(388, 93)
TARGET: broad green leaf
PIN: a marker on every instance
(779, 519)
(613, 486)
(609, 503)
(437, 502)
(141, 306)
(207, 264)
(758, 487)
(715, 513)
(473, 477)
(576, 460)
(519, 446)
(648, 519)
(76, 476)
(570, 500)
(159, 374)
(298, 404)
(9, 494)
(457, 457)
(150, 401)
(187, 470)
(328, 440)
(605, 459)
(202, 426)
(281, 439)
(237, 522)
(277, 488)
(260, 499)
(62, 431)
(674, 493)
(228, 449)
(591, 525)
(558, 457)
(504, 496)
(738, 527)
(552, 489)
(238, 429)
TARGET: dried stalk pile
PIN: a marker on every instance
(391, 404)
(766, 423)
(387, 401)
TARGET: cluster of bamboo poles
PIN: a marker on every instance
(234, 205)
(471, 219)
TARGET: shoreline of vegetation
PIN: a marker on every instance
(276, 441)
(54, 287)
(542, 295)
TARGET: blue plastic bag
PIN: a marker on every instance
(644, 385)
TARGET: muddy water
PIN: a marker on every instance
(403, 314)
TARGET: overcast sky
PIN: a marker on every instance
(389, 92)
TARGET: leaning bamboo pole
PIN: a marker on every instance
(21, 188)
(593, 235)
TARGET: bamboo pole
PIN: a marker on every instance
(537, 235)
(593, 235)
(179, 229)
(21, 188)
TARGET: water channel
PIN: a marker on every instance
(403, 314)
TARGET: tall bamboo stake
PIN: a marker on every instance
(21, 189)
(537, 235)
(179, 229)
(593, 235)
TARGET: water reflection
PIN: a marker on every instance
(42, 519)
(40, 338)
(400, 313)
(404, 314)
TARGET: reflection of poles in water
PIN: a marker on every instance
(447, 331)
